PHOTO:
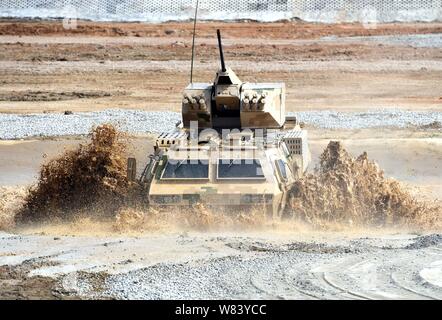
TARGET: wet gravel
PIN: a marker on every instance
(277, 274)
(224, 278)
(426, 241)
(19, 126)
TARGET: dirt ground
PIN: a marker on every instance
(283, 30)
(16, 284)
(45, 68)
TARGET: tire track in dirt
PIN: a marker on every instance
(406, 288)
(378, 282)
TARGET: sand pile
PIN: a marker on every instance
(354, 191)
(91, 176)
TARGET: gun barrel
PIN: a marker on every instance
(223, 65)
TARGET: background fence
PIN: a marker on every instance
(262, 10)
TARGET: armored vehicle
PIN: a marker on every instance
(234, 147)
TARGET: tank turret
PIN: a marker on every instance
(230, 103)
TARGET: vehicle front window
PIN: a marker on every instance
(185, 169)
(240, 169)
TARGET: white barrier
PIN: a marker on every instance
(329, 11)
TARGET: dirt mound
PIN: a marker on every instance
(91, 176)
(354, 191)
(30, 95)
(15, 283)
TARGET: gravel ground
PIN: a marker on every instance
(13, 126)
(413, 40)
(386, 118)
(364, 268)
(229, 265)
(372, 274)
(79, 67)
(48, 125)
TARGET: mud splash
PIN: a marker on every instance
(91, 178)
(354, 191)
(11, 198)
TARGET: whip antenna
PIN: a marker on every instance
(193, 41)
